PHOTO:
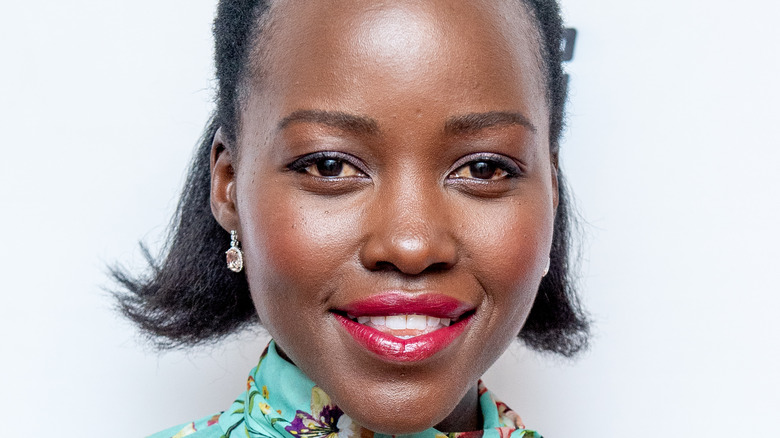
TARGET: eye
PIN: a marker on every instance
(484, 169)
(332, 168)
(326, 165)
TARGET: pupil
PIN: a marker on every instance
(482, 170)
(330, 167)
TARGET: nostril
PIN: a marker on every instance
(384, 267)
(437, 267)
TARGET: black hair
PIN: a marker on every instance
(189, 297)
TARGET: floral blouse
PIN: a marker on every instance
(281, 402)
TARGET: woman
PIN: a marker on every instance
(383, 176)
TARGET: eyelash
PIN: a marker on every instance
(512, 169)
(303, 163)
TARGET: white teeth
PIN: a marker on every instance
(416, 322)
(404, 322)
(396, 322)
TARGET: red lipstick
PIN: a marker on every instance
(395, 349)
(397, 303)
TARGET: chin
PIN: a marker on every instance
(403, 421)
(407, 402)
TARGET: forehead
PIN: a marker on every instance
(485, 52)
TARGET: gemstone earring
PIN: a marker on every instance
(546, 268)
(235, 258)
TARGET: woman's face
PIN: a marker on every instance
(393, 177)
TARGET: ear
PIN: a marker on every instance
(223, 183)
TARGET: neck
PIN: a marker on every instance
(466, 416)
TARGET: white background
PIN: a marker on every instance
(672, 150)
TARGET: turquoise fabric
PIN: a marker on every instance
(281, 402)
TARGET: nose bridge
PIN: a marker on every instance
(410, 228)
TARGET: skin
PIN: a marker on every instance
(408, 95)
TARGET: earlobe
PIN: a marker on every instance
(223, 184)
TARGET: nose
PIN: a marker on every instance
(409, 230)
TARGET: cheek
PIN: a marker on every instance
(508, 246)
(296, 247)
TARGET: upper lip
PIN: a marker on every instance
(403, 303)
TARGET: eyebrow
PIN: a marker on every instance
(337, 119)
(470, 123)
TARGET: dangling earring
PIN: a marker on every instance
(546, 268)
(235, 258)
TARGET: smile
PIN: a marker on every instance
(399, 327)
(403, 326)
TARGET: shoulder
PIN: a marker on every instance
(206, 427)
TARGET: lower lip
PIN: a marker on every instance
(395, 349)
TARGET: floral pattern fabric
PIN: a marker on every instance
(281, 402)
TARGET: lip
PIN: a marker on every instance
(399, 303)
(394, 349)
